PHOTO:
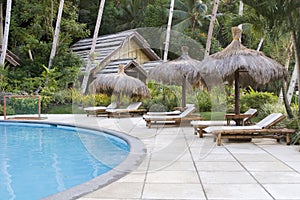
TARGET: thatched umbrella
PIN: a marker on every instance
(119, 84)
(176, 71)
(240, 65)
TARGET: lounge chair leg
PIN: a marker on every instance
(195, 130)
(288, 139)
(219, 139)
(200, 133)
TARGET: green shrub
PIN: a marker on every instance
(9, 110)
(21, 106)
(204, 101)
(255, 99)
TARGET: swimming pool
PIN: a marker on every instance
(40, 160)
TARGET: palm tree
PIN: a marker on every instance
(211, 27)
(131, 13)
(56, 33)
(188, 14)
(92, 51)
(167, 42)
(6, 32)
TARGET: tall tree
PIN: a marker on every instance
(211, 27)
(92, 51)
(6, 32)
(56, 33)
(168, 33)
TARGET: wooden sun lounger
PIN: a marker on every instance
(97, 110)
(200, 125)
(132, 109)
(263, 129)
(185, 116)
(254, 133)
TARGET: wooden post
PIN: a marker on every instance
(4, 108)
(237, 92)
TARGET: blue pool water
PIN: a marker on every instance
(38, 160)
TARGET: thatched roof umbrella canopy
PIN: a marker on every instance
(119, 84)
(241, 65)
(176, 71)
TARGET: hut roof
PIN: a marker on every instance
(147, 66)
(113, 66)
(107, 45)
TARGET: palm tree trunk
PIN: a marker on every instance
(284, 85)
(56, 33)
(167, 42)
(1, 22)
(211, 27)
(294, 40)
(6, 32)
(93, 47)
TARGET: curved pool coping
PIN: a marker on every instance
(133, 160)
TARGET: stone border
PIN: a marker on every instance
(134, 159)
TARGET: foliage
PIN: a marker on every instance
(21, 106)
(163, 98)
(255, 99)
(204, 101)
(9, 110)
(189, 14)
(32, 29)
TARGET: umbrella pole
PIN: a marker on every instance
(237, 92)
(183, 104)
(118, 100)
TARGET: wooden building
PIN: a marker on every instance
(128, 48)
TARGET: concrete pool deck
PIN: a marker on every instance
(179, 165)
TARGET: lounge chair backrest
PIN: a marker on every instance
(250, 111)
(134, 105)
(270, 120)
(187, 111)
(112, 105)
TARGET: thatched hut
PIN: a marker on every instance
(176, 71)
(240, 65)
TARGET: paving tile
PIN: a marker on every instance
(219, 166)
(294, 165)
(172, 177)
(266, 166)
(284, 191)
(134, 177)
(118, 190)
(214, 157)
(265, 157)
(277, 177)
(244, 148)
(173, 191)
(236, 191)
(167, 155)
(172, 166)
(226, 177)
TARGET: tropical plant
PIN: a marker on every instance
(189, 14)
(131, 13)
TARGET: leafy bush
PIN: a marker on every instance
(22, 106)
(9, 110)
(163, 98)
(204, 101)
(255, 99)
